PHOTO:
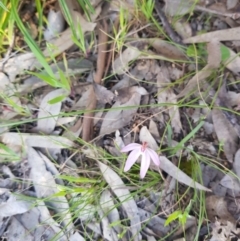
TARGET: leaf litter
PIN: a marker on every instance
(172, 85)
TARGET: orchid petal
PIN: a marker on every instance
(154, 156)
(145, 164)
(132, 158)
(131, 147)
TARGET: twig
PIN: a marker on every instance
(92, 101)
(171, 33)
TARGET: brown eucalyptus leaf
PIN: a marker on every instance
(217, 207)
(225, 134)
(167, 50)
(219, 35)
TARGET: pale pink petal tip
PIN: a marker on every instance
(145, 165)
(132, 158)
(154, 156)
(130, 147)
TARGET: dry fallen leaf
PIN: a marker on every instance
(121, 64)
(217, 207)
(121, 114)
(109, 208)
(167, 50)
(55, 25)
(45, 186)
(198, 80)
(127, 202)
(178, 7)
(167, 166)
(225, 133)
(166, 95)
(24, 139)
(220, 35)
(48, 113)
(146, 136)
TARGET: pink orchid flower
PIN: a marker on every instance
(147, 155)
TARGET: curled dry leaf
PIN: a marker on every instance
(153, 129)
(102, 94)
(225, 133)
